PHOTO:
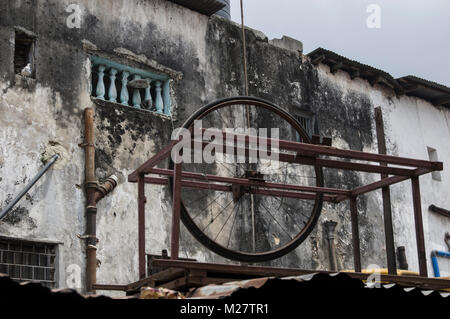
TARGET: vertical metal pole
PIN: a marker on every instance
(244, 52)
(386, 194)
(330, 227)
(175, 244)
(355, 234)
(420, 238)
(141, 227)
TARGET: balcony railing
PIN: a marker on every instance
(118, 83)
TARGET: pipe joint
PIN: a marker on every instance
(104, 189)
(330, 227)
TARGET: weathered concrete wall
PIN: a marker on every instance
(411, 125)
(47, 112)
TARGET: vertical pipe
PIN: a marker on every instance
(330, 227)
(435, 264)
(401, 256)
(94, 193)
(141, 225)
(355, 234)
(89, 150)
(176, 211)
(386, 194)
(91, 210)
(420, 238)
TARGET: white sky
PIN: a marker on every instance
(414, 38)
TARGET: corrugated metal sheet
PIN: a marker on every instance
(437, 94)
(227, 289)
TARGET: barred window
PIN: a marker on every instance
(307, 122)
(28, 261)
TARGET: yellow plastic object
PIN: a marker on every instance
(384, 271)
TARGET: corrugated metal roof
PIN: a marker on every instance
(317, 279)
(435, 93)
(206, 7)
(354, 68)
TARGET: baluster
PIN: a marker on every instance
(148, 97)
(166, 97)
(100, 91)
(112, 93)
(158, 101)
(124, 91)
(136, 94)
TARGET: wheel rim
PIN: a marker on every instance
(276, 236)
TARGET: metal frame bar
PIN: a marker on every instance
(141, 225)
(386, 195)
(307, 154)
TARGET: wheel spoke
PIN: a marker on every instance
(295, 222)
(210, 203)
(212, 221)
(294, 209)
(223, 226)
(273, 217)
(232, 226)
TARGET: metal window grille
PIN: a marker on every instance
(306, 123)
(28, 261)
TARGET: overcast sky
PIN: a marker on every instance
(414, 37)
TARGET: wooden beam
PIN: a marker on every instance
(375, 80)
(109, 287)
(318, 59)
(410, 88)
(442, 101)
(335, 67)
(355, 74)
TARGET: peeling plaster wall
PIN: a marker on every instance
(48, 111)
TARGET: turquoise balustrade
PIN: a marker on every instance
(111, 84)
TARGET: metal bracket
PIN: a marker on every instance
(88, 237)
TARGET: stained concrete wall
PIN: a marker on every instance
(46, 113)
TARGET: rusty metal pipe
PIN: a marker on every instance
(94, 193)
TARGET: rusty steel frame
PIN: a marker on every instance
(303, 153)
